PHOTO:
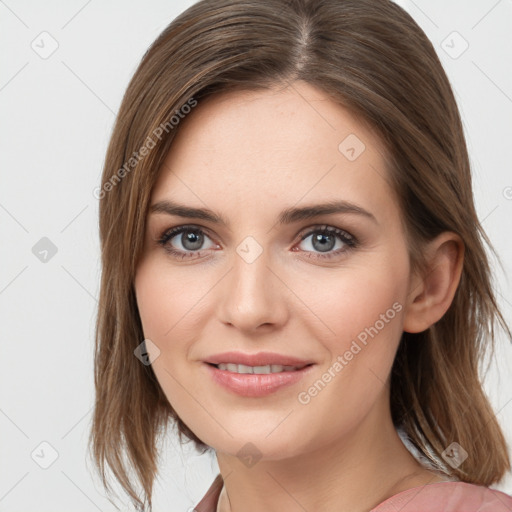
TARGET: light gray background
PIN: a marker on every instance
(57, 114)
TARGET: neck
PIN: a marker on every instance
(355, 473)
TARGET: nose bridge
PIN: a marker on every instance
(253, 296)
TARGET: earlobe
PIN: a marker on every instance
(431, 294)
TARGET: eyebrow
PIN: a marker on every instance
(287, 216)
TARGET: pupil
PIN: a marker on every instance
(324, 246)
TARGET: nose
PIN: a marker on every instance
(254, 296)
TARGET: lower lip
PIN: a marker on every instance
(253, 384)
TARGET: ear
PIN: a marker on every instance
(431, 294)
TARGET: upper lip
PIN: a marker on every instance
(258, 359)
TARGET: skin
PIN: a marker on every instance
(248, 156)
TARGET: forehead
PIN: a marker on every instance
(282, 144)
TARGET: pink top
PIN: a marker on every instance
(438, 497)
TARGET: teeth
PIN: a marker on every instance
(269, 368)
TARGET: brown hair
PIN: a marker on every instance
(371, 57)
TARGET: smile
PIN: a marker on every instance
(269, 368)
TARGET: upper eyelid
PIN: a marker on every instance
(326, 227)
(192, 227)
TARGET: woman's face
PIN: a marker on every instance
(329, 290)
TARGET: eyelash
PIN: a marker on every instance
(349, 240)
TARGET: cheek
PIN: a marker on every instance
(353, 301)
(174, 306)
(363, 310)
(171, 307)
(168, 301)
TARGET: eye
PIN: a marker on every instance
(323, 241)
(326, 238)
(189, 244)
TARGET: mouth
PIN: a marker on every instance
(255, 381)
(259, 370)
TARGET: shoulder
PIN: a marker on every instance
(448, 497)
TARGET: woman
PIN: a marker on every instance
(293, 268)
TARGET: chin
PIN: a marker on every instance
(273, 443)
